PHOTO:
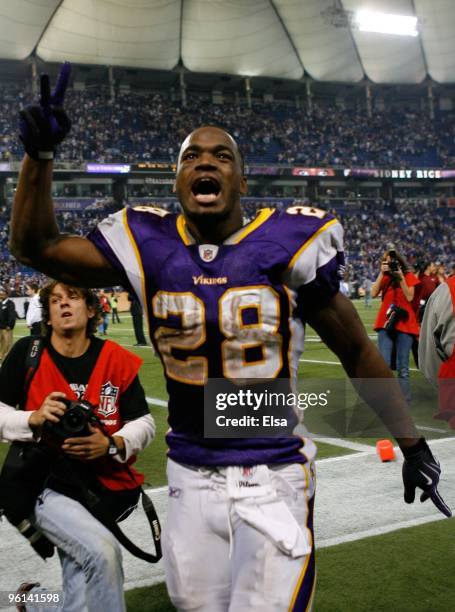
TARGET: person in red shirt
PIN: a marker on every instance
(429, 281)
(396, 323)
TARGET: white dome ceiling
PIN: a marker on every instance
(270, 38)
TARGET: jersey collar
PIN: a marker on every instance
(236, 237)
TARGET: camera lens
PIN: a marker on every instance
(74, 420)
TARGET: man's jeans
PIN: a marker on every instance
(90, 555)
(403, 344)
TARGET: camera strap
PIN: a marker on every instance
(386, 288)
(93, 498)
(32, 360)
(155, 527)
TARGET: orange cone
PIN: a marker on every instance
(385, 450)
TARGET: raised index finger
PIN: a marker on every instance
(440, 503)
(45, 91)
(58, 95)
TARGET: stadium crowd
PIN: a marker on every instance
(420, 233)
(147, 126)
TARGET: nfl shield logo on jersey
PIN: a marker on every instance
(108, 398)
(208, 252)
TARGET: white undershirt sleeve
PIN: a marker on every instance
(137, 435)
(14, 425)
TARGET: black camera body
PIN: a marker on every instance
(394, 315)
(394, 265)
(72, 424)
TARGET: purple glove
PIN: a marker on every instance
(43, 126)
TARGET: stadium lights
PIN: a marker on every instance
(386, 23)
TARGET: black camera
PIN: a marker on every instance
(72, 424)
(393, 315)
(394, 265)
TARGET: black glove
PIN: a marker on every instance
(44, 125)
(421, 469)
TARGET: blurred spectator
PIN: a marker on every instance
(366, 286)
(7, 322)
(113, 303)
(429, 281)
(105, 310)
(136, 314)
(34, 310)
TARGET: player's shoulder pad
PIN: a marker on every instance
(313, 237)
(153, 210)
(128, 216)
(301, 210)
(299, 226)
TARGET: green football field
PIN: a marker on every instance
(404, 570)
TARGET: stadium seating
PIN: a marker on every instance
(147, 126)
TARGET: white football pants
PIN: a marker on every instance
(225, 552)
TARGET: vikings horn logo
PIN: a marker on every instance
(108, 399)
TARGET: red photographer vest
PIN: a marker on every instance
(447, 375)
(114, 371)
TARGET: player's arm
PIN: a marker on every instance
(35, 238)
(340, 328)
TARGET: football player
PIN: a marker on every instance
(223, 299)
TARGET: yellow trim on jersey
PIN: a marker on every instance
(139, 262)
(264, 214)
(310, 240)
(181, 228)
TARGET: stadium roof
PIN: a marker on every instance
(268, 38)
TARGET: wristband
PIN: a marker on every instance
(411, 452)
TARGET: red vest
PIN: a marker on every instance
(447, 376)
(114, 371)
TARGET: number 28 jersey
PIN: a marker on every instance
(233, 310)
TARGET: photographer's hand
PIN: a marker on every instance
(87, 448)
(50, 410)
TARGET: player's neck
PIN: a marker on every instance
(70, 345)
(212, 231)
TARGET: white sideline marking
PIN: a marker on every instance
(337, 363)
(435, 429)
(318, 339)
(156, 402)
(356, 446)
(320, 361)
(368, 533)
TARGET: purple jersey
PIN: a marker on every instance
(231, 311)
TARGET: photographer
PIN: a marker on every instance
(396, 322)
(75, 365)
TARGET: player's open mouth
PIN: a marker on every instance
(205, 190)
(66, 314)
